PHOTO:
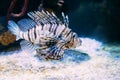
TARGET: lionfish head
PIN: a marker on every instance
(76, 40)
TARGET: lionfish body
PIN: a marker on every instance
(48, 35)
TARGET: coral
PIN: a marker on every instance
(12, 5)
(6, 38)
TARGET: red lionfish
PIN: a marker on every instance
(45, 33)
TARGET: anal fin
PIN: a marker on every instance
(27, 47)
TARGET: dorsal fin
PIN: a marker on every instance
(26, 24)
(65, 19)
(45, 17)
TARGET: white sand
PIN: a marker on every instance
(24, 66)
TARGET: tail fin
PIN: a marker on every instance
(13, 27)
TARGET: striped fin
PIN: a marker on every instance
(45, 17)
(51, 53)
(42, 53)
(65, 19)
(56, 54)
(57, 51)
(28, 46)
(53, 18)
(26, 24)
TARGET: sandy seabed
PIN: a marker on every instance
(99, 64)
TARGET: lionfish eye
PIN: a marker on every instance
(74, 35)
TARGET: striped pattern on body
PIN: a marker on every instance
(49, 22)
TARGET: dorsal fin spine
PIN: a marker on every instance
(45, 17)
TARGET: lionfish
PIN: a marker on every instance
(45, 33)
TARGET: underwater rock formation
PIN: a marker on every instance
(7, 38)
